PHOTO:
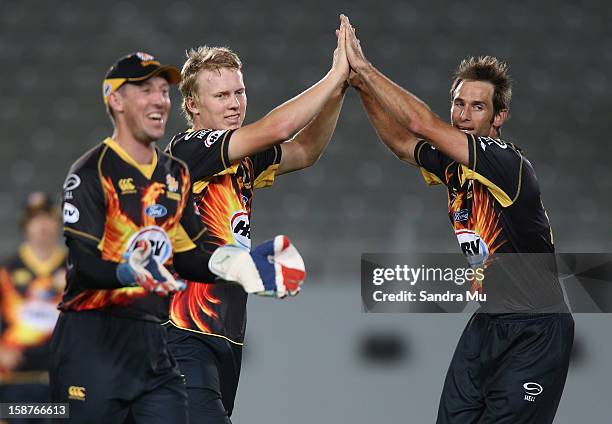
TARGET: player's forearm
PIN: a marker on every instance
(315, 137)
(294, 114)
(407, 109)
(284, 121)
(396, 137)
(193, 266)
(93, 272)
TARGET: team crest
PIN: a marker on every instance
(144, 56)
(171, 183)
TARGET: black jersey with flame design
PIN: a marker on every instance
(30, 290)
(111, 202)
(496, 211)
(223, 194)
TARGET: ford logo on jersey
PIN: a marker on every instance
(460, 216)
(156, 211)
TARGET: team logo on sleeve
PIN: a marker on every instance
(72, 182)
(213, 137)
(160, 242)
(71, 213)
(209, 137)
(487, 141)
(241, 228)
(473, 247)
(173, 186)
(172, 183)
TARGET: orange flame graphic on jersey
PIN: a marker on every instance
(483, 220)
(219, 201)
(197, 297)
(117, 231)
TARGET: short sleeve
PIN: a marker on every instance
(204, 151)
(433, 163)
(498, 165)
(84, 208)
(265, 165)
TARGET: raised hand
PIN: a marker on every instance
(340, 62)
(356, 58)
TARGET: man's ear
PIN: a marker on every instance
(192, 106)
(115, 101)
(500, 118)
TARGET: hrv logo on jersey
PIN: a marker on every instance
(160, 242)
(473, 247)
(70, 213)
(241, 228)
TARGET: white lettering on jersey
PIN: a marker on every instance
(160, 242)
(191, 134)
(241, 228)
(489, 141)
(473, 247)
(71, 213)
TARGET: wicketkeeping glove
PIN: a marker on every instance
(143, 269)
(274, 268)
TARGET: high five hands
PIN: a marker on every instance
(340, 63)
(354, 54)
(349, 59)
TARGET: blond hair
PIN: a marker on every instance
(199, 59)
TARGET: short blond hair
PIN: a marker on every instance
(199, 59)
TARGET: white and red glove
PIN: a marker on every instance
(273, 268)
(143, 269)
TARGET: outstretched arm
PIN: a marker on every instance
(307, 146)
(395, 136)
(407, 109)
(284, 121)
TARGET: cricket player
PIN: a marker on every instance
(227, 162)
(31, 286)
(129, 214)
(511, 362)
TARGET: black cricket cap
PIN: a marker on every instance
(136, 67)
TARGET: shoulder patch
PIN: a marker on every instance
(213, 137)
(72, 182)
(484, 142)
(209, 137)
